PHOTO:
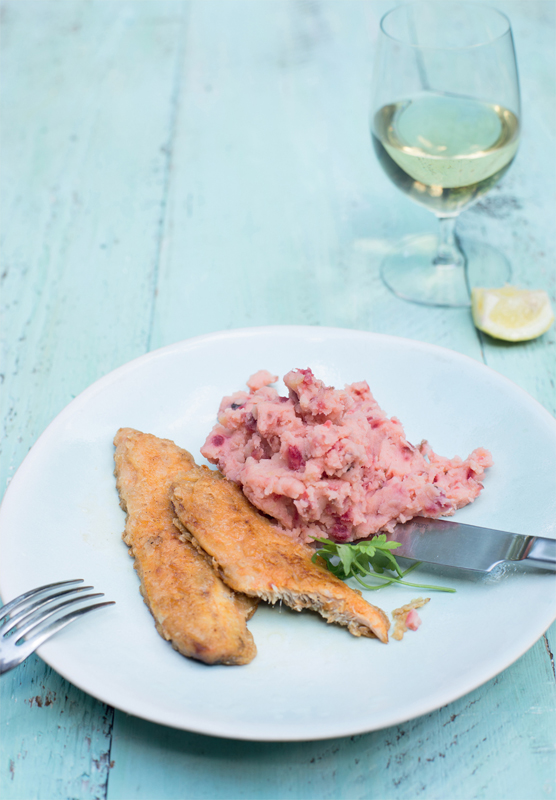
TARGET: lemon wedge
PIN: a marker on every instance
(514, 315)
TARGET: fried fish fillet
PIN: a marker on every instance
(254, 558)
(191, 606)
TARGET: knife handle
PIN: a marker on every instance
(541, 553)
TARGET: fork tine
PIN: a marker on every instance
(41, 636)
(32, 609)
(22, 598)
(38, 618)
(24, 650)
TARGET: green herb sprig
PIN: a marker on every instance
(368, 559)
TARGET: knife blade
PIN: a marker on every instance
(455, 544)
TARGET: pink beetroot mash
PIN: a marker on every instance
(329, 463)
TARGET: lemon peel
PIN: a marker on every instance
(511, 314)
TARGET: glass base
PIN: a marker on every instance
(408, 271)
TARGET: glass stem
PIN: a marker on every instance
(449, 253)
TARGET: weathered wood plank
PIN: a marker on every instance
(86, 120)
(55, 740)
(278, 212)
(78, 292)
(518, 215)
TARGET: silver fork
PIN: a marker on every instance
(24, 622)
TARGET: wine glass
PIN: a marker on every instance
(445, 127)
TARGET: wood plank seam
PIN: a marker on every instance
(169, 151)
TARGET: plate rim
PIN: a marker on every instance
(128, 366)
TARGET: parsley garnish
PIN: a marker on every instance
(368, 559)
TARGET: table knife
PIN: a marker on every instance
(454, 544)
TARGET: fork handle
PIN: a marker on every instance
(541, 553)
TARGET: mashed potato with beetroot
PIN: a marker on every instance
(327, 462)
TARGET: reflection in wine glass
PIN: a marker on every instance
(445, 128)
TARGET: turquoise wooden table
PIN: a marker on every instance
(175, 168)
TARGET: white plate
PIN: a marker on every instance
(60, 519)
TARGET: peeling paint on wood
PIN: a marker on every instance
(55, 740)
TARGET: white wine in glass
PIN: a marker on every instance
(445, 128)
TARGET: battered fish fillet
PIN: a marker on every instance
(254, 558)
(191, 606)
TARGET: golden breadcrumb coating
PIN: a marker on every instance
(191, 606)
(255, 558)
